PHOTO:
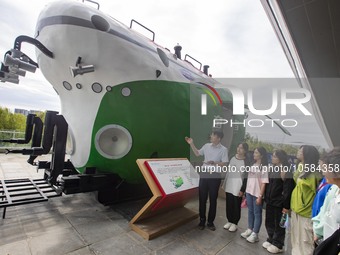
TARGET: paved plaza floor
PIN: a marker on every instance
(79, 225)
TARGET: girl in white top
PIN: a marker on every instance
(234, 185)
(256, 185)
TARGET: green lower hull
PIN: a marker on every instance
(158, 115)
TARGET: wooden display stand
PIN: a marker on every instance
(162, 212)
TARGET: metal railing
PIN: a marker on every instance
(11, 134)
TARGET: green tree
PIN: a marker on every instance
(11, 121)
(4, 118)
(19, 122)
(41, 115)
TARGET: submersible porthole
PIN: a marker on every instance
(113, 141)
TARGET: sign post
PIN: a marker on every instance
(173, 182)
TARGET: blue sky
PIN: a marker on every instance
(234, 37)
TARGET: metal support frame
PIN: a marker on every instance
(110, 187)
(55, 134)
(58, 150)
(25, 191)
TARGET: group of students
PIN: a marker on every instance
(311, 200)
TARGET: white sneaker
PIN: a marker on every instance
(246, 233)
(274, 249)
(253, 238)
(227, 226)
(266, 244)
(233, 228)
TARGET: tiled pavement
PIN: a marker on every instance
(79, 225)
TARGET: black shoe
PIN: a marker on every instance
(211, 226)
(201, 225)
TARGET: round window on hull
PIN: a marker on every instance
(97, 87)
(100, 23)
(67, 85)
(113, 141)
